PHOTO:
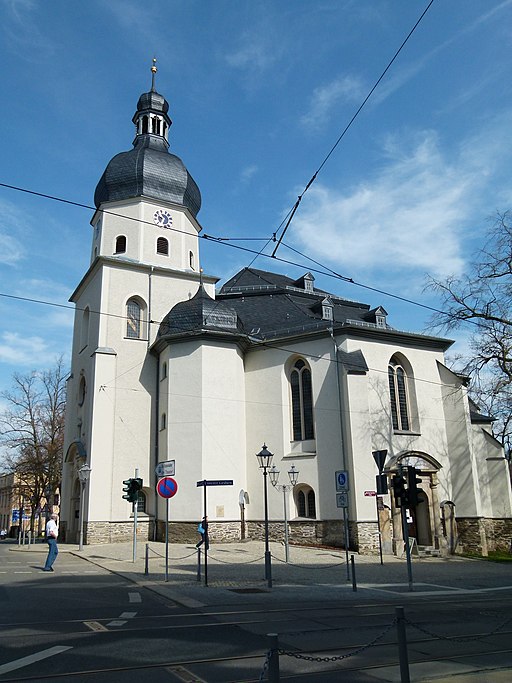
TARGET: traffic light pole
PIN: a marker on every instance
(405, 531)
(135, 506)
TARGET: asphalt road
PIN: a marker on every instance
(85, 622)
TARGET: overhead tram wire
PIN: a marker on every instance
(131, 218)
(343, 133)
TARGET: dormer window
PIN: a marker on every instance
(327, 309)
(380, 317)
(308, 282)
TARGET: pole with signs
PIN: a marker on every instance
(167, 487)
(204, 483)
(380, 459)
(342, 487)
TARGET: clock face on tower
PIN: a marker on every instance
(162, 218)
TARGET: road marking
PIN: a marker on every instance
(127, 615)
(23, 572)
(37, 657)
(117, 622)
(95, 626)
(184, 675)
(134, 597)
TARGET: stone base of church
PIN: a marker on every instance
(116, 532)
(482, 536)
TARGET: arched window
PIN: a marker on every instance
(162, 246)
(306, 506)
(163, 371)
(135, 328)
(84, 332)
(163, 421)
(398, 394)
(144, 124)
(302, 401)
(81, 391)
(120, 244)
(191, 259)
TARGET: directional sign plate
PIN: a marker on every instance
(215, 482)
(167, 487)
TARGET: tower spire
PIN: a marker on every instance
(153, 72)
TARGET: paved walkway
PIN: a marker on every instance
(236, 572)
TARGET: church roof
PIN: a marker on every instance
(149, 170)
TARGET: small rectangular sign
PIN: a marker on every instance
(215, 482)
(370, 493)
(341, 480)
(342, 500)
(166, 468)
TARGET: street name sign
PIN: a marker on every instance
(215, 482)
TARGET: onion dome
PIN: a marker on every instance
(199, 314)
(149, 169)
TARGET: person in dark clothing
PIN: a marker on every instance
(203, 530)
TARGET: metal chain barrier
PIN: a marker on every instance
(459, 639)
(185, 557)
(337, 658)
(217, 559)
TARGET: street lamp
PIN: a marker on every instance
(265, 460)
(83, 474)
(293, 475)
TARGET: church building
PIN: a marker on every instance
(166, 366)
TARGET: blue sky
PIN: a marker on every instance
(259, 92)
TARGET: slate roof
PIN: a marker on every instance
(149, 170)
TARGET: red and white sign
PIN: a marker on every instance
(166, 487)
(370, 493)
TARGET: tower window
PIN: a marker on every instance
(120, 244)
(162, 246)
(302, 401)
(133, 319)
(144, 124)
(84, 332)
(191, 259)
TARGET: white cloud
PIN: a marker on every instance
(406, 219)
(325, 98)
(27, 351)
(248, 172)
(11, 250)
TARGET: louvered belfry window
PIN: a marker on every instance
(302, 401)
(162, 246)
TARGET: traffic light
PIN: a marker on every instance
(399, 492)
(412, 485)
(131, 489)
(381, 481)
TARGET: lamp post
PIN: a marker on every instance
(265, 460)
(83, 474)
(293, 475)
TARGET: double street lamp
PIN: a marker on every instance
(265, 461)
(293, 476)
(83, 474)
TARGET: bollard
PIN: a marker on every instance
(402, 645)
(273, 662)
(146, 562)
(353, 565)
(198, 564)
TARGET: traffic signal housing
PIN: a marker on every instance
(412, 486)
(131, 489)
(399, 492)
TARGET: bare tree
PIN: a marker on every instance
(483, 297)
(32, 431)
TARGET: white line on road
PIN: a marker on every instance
(118, 622)
(37, 657)
(134, 597)
(127, 615)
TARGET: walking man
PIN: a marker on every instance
(52, 532)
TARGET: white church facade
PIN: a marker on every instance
(164, 367)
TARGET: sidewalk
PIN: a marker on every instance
(236, 572)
